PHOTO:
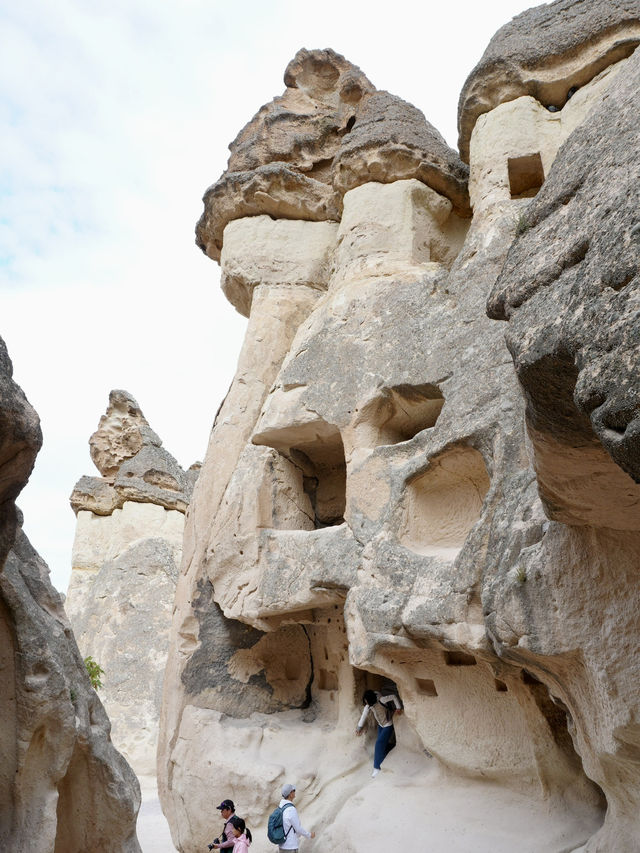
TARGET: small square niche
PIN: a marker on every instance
(526, 175)
(426, 687)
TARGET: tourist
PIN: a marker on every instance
(241, 834)
(383, 706)
(291, 822)
(227, 838)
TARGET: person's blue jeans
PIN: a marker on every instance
(382, 743)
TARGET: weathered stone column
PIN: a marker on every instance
(125, 560)
(274, 271)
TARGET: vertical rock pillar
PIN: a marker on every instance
(273, 271)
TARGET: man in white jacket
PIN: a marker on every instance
(290, 821)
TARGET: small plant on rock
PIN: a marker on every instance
(522, 224)
(521, 574)
(95, 671)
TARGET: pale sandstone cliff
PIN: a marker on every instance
(383, 496)
(125, 560)
(63, 786)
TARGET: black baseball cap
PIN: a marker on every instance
(227, 804)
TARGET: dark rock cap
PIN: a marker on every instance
(279, 163)
(391, 140)
(134, 464)
(96, 495)
(122, 431)
(329, 132)
(546, 51)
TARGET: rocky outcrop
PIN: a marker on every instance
(330, 132)
(125, 559)
(63, 785)
(547, 52)
(382, 484)
(569, 289)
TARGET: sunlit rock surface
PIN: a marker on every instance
(385, 497)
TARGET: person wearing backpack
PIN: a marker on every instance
(284, 823)
(383, 707)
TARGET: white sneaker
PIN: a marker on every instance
(376, 770)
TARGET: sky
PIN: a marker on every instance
(116, 117)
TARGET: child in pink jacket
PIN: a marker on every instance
(242, 835)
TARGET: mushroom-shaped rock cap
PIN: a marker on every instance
(545, 52)
(121, 433)
(134, 465)
(153, 476)
(390, 141)
(279, 163)
(329, 132)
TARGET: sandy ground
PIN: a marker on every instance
(414, 806)
(434, 812)
(153, 829)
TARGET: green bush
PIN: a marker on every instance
(95, 671)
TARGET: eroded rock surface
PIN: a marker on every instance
(329, 132)
(569, 289)
(546, 52)
(391, 141)
(381, 480)
(63, 786)
(125, 562)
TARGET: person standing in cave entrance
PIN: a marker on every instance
(383, 706)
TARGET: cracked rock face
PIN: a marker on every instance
(63, 783)
(569, 290)
(329, 132)
(546, 52)
(125, 559)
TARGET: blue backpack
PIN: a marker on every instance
(275, 827)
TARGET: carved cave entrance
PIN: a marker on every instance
(313, 454)
(443, 503)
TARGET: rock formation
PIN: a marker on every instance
(330, 132)
(126, 555)
(385, 497)
(547, 52)
(63, 785)
(569, 289)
